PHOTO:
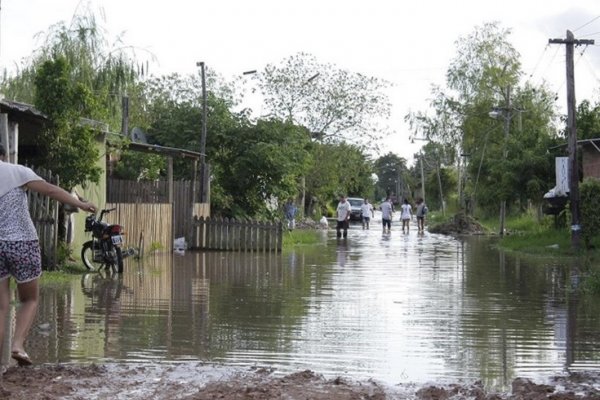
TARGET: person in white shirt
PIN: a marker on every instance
(406, 215)
(20, 256)
(343, 217)
(387, 210)
(366, 211)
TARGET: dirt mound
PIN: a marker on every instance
(460, 224)
(198, 381)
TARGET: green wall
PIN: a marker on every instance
(94, 192)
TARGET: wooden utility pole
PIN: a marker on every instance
(570, 43)
(203, 166)
(506, 113)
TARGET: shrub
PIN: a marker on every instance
(590, 217)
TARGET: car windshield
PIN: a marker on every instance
(355, 202)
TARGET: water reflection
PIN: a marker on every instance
(394, 307)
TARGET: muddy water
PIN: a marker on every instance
(397, 308)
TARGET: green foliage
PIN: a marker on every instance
(591, 284)
(258, 163)
(588, 120)
(135, 166)
(337, 169)
(392, 174)
(506, 159)
(173, 117)
(334, 104)
(448, 181)
(69, 147)
(590, 217)
(155, 247)
(300, 237)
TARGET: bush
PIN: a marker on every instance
(590, 217)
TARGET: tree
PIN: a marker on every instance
(485, 75)
(337, 168)
(392, 172)
(588, 120)
(105, 70)
(260, 163)
(69, 147)
(332, 103)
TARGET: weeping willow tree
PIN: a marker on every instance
(105, 68)
(75, 73)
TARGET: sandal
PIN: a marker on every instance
(21, 357)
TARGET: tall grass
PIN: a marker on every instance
(300, 237)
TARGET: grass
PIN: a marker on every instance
(301, 237)
(63, 275)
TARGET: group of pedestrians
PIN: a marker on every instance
(344, 211)
(406, 213)
(387, 213)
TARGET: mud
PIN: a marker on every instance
(200, 381)
(460, 224)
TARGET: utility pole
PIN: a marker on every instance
(422, 176)
(570, 42)
(203, 168)
(507, 113)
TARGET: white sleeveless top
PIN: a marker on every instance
(15, 221)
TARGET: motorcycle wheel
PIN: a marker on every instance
(119, 259)
(87, 256)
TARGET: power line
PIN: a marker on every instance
(587, 23)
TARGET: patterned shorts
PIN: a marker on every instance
(20, 259)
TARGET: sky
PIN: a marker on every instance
(409, 44)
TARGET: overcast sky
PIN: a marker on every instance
(409, 44)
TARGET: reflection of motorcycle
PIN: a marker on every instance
(105, 248)
(103, 288)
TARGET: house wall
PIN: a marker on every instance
(94, 192)
(591, 162)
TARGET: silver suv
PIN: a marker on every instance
(355, 204)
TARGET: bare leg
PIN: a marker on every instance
(4, 304)
(28, 296)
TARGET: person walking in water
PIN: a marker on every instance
(366, 211)
(420, 212)
(406, 215)
(387, 210)
(343, 217)
(289, 211)
(20, 255)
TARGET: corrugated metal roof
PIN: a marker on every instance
(23, 108)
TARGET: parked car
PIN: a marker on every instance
(355, 204)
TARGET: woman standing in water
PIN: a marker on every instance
(19, 247)
(406, 215)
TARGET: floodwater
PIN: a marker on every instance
(394, 307)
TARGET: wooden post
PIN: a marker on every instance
(125, 116)
(4, 134)
(13, 147)
(570, 43)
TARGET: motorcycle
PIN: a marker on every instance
(105, 248)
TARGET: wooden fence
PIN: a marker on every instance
(44, 213)
(155, 193)
(236, 235)
(146, 225)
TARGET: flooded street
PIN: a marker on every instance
(399, 308)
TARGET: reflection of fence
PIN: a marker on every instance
(232, 234)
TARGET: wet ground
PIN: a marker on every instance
(197, 381)
(373, 316)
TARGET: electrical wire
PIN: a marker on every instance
(587, 23)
